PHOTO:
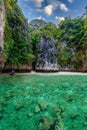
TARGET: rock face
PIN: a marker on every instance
(46, 58)
(36, 24)
(2, 23)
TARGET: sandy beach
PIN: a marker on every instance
(58, 73)
(47, 73)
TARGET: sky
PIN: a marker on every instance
(52, 10)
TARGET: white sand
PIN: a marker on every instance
(59, 73)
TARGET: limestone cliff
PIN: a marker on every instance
(46, 58)
(2, 23)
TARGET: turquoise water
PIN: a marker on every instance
(43, 102)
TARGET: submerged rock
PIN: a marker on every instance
(2, 100)
(43, 105)
(19, 106)
(46, 123)
(36, 109)
(73, 116)
(7, 94)
(36, 91)
(29, 114)
(1, 109)
(85, 123)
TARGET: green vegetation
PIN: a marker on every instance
(21, 39)
(71, 41)
(17, 48)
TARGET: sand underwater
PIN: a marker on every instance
(43, 102)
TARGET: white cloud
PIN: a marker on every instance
(59, 19)
(40, 17)
(38, 3)
(63, 7)
(48, 10)
(70, 1)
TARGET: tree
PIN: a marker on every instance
(17, 48)
(9, 4)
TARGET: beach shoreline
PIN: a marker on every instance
(48, 73)
(58, 73)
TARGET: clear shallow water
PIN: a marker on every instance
(43, 102)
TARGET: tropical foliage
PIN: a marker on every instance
(21, 38)
(17, 48)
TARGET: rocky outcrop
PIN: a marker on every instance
(46, 58)
(2, 23)
(36, 24)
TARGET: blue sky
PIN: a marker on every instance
(52, 10)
